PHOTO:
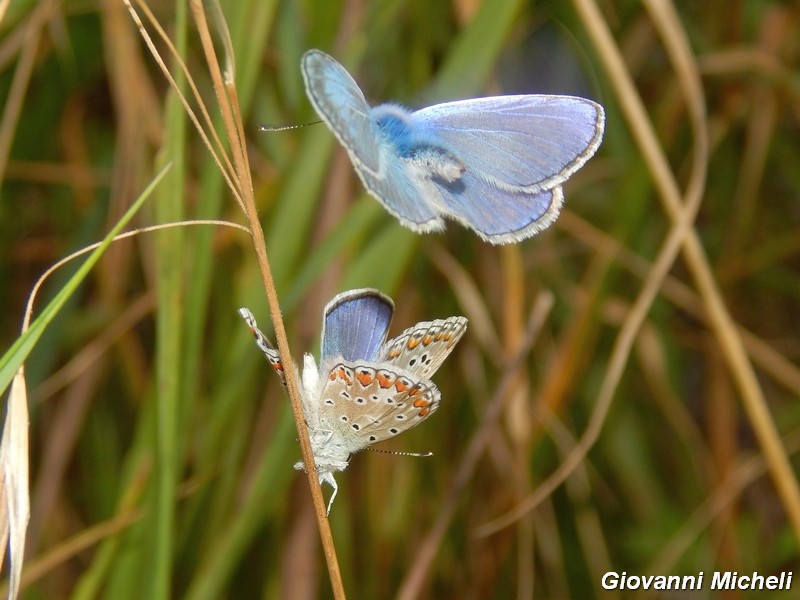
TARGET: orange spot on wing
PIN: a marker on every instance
(427, 340)
(400, 385)
(342, 374)
(424, 412)
(412, 343)
(364, 378)
(383, 380)
(421, 403)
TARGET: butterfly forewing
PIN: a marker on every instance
(272, 354)
(341, 105)
(528, 142)
(421, 349)
(339, 101)
(356, 324)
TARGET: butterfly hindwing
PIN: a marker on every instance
(363, 403)
(403, 194)
(499, 216)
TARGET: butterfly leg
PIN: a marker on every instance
(324, 477)
(328, 477)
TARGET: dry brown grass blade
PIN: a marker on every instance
(237, 174)
(88, 538)
(19, 84)
(729, 341)
(682, 217)
(682, 296)
(3, 8)
(424, 558)
(14, 450)
(95, 349)
(744, 474)
(225, 88)
(127, 514)
(205, 127)
(15, 493)
(681, 234)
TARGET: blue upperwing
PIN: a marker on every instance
(530, 143)
(356, 325)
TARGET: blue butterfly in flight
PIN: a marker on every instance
(495, 164)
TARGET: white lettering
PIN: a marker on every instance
(757, 581)
(689, 582)
(721, 581)
(610, 581)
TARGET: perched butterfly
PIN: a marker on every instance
(366, 389)
(493, 164)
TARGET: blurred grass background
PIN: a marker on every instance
(152, 410)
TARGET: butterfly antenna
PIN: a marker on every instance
(415, 454)
(273, 128)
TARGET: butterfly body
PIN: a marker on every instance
(413, 143)
(494, 164)
(365, 389)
